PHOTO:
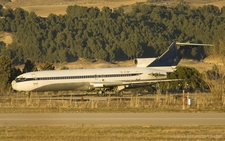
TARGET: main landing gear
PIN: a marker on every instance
(101, 93)
(118, 91)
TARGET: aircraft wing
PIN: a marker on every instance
(114, 84)
(152, 81)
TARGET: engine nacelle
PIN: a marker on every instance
(143, 62)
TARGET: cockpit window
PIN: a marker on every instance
(20, 79)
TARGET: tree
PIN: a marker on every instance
(106, 13)
(223, 10)
(5, 71)
(77, 11)
(8, 13)
(1, 6)
(29, 66)
(216, 77)
(64, 68)
(84, 32)
(190, 77)
(93, 12)
(102, 54)
(118, 11)
(14, 73)
(48, 66)
(20, 14)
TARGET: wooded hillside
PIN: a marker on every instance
(108, 34)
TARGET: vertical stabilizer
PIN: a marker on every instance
(170, 57)
(173, 55)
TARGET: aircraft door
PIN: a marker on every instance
(138, 77)
(96, 77)
(35, 82)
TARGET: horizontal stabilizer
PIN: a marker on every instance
(192, 44)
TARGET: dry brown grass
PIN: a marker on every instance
(217, 3)
(6, 37)
(201, 66)
(201, 103)
(170, 103)
(112, 133)
(45, 7)
(84, 63)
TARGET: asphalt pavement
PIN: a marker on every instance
(65, 119)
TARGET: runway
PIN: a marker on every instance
(66, 119)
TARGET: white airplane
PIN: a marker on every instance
(147, 71)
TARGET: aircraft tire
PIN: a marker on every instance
(101, 93)
(120, 94)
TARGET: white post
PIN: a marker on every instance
(183, 101)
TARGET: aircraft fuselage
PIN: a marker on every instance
(86, 79)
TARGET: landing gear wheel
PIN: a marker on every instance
(28, 94)
(120, 93)
(101, 93)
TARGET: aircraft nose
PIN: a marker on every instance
(14, 85)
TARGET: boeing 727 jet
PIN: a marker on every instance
(147, 71)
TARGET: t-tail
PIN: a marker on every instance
(170, 58)
(173, 55)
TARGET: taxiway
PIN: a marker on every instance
(66, 119)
